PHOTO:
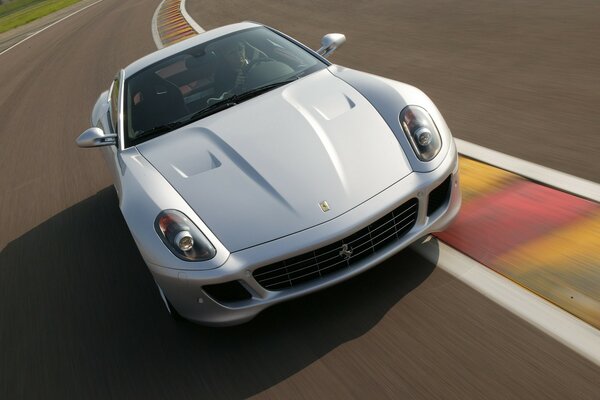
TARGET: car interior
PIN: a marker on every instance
(183, 84)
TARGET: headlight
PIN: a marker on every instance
(421, 132)
(182, 237)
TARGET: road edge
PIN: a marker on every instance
(189, 18)
(547, 176)
(192, 25)
(35, 33)
(567, 329)
(155, 35)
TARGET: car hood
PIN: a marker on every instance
(262, 169)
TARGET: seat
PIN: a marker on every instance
(159, 103)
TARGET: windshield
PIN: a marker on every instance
(208, 78)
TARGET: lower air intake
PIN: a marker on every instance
(228, 292)
(439, 196)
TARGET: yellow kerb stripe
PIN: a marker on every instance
(478, 179)
(575, 246)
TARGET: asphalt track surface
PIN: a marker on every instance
(80, 316)
(516, 76)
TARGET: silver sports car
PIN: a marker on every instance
(250, 170)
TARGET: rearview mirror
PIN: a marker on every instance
(95, 137)
(330, 42)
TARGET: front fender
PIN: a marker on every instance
(389, 97)
(145, 193)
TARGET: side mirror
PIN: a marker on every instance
(95, 137)
(330, 43)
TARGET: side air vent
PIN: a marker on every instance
(228, 292)
(439, 196)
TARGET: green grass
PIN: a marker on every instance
(19, 12)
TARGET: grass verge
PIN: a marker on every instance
(20, 12)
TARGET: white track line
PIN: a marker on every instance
(49, 26)
(155, 35)
(580, 337)
(560, 180)
(189, 18)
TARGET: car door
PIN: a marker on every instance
(109, 124)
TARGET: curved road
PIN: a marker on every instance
(80, 316)
(520, 77)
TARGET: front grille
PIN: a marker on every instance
(341, 254)
(439, 196)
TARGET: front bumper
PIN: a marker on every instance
(183, 288)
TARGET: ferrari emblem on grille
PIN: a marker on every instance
(324, 206)
(346, 252)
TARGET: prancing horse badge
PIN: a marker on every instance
(346, 252)
(324, 206)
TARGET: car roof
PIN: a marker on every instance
(185, 44)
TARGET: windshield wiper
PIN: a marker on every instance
(160, 129)
(212, 109)
(234, 100)
(260, 90)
